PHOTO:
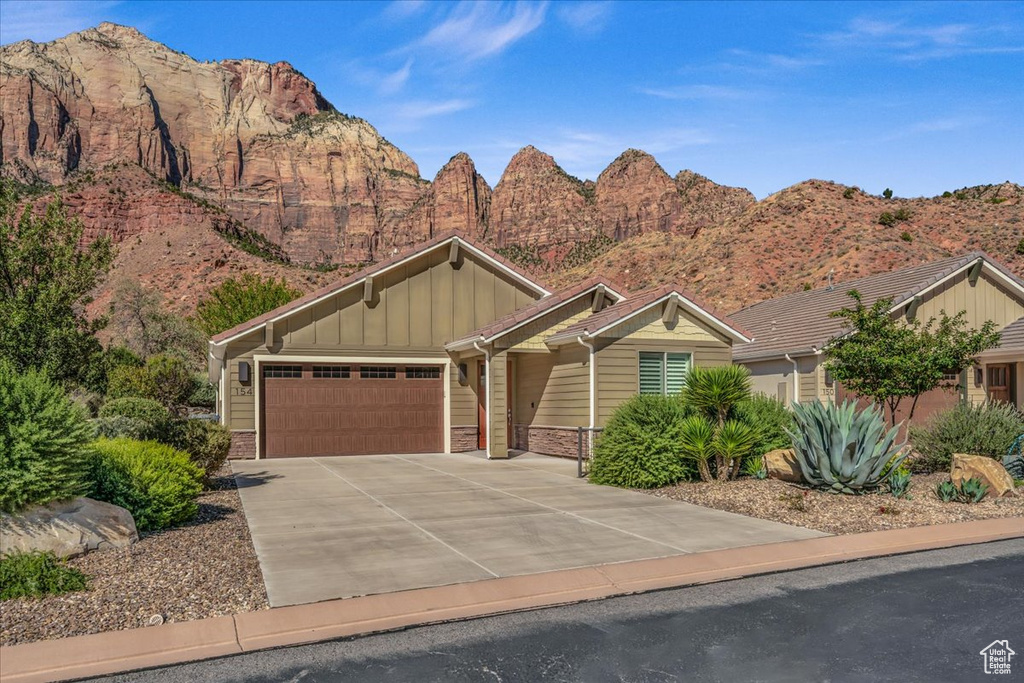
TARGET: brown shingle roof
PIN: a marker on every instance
(535, 310)
(423, 247)
(624, 309)
(800, 322)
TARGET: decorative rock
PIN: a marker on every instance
(782, 465)
(68, 528)
(988, 470)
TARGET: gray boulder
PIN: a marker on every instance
(68, 528)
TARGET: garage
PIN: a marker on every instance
(314, 409)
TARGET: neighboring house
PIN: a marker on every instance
(451, 348)
(786, 358)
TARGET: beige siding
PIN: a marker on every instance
(415, 310)
(773, 378)
(985, 300)
(532, 335)
(809, 366)
(618, 359)
(553, 389)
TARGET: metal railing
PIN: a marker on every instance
(585, 449)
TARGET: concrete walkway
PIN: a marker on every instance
(328, 528)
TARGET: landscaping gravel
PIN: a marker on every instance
(205, 569)
(837, 513)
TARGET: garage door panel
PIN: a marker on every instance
(352, 415)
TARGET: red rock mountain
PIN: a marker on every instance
(199, 169)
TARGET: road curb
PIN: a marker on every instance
(119, 651)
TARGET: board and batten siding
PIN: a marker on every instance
(986, 300)
(414, 311)
(553, 389)
(618, 354)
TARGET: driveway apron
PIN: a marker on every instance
(327, 528)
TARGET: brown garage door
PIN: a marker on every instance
(351, 409)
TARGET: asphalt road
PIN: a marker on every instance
(921, 617)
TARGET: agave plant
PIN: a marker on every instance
(845, 449)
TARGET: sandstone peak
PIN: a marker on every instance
(634, 163)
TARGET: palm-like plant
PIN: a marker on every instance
(714, 433)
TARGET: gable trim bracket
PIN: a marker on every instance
(671, 308)
(975, 272)
(915, 303)
(368, 289)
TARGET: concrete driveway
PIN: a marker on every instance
(328, 528)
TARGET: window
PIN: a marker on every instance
(950, 376)
(423, 373)
(377, 372)
(282, 371)
(663, 373)
(330, 372)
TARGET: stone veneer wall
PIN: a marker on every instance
(464, 439)
(243, 445)
(559, 441)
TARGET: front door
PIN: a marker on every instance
(999, 383)
(481, 401)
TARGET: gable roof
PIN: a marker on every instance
(608, 318)
(378, 268)
(527, 314)
(799, 323)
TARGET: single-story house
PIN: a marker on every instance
(451, 348)
(786, 358)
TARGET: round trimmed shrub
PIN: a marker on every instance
(143, 409)
(120, 425)
(206, 442)
(130, 381)
(640, 447)
(44, 439)
(158, 484)
(204, 394)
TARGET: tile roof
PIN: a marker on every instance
(1011, 337)
(639, 301)
(535, 310)
(422, 247)
(800, 322)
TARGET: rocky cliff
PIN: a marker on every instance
(199, 169)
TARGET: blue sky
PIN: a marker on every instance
(919, 97)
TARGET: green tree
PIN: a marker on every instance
(236, 300)
(716, 433)
(45, 280)
(887, 193)
(141, 323)
(888, 360)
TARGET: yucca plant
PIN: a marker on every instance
(844, 449)
(716, 433)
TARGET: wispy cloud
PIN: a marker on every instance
(396, 80)
(45, 20)
(906, 41)
(585, 17)
(423, 109)
(474, 30)
(403, 9)
(699, 92)
(746, 60)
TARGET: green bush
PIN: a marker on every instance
(771, 418)
(988, 429)
(144, 409)
(203, 395)
(158, 484)
(32, 575)
(126, 381)
(206, 442)
(120, 425)
(236, 300)
(43, 440)
(640, 447)
(164, 378)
